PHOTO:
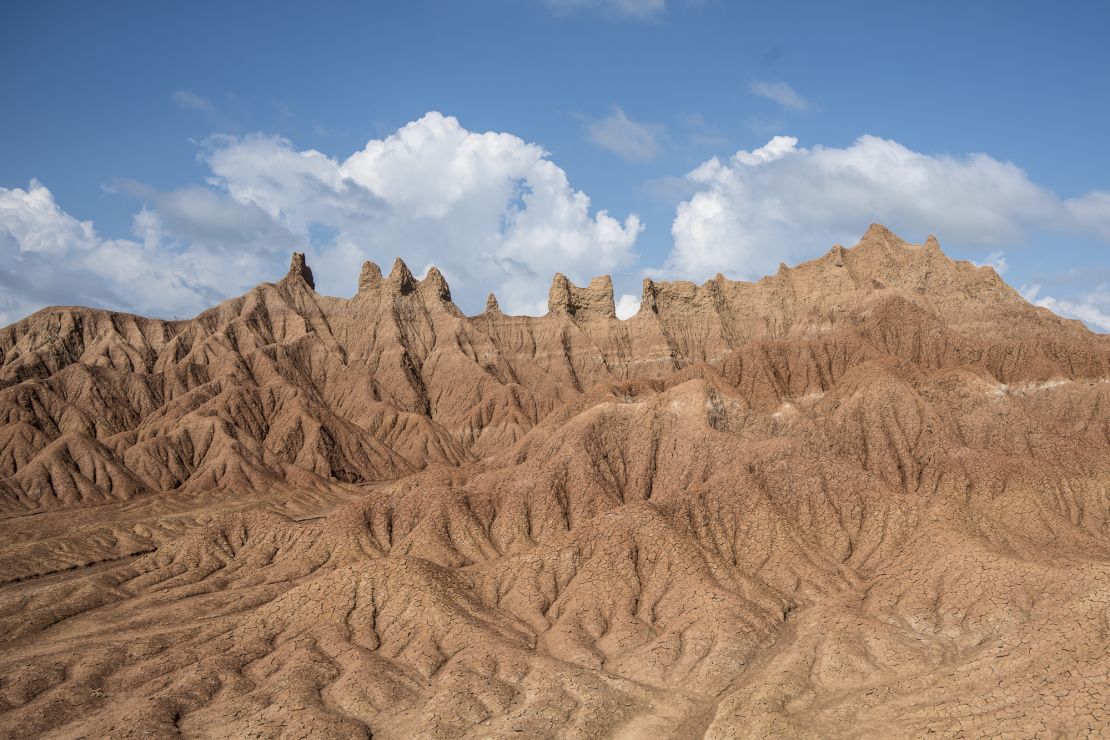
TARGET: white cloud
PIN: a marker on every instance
(628, 305)
(488, 208)
(640, 10)
(782, 201)
(781, 93)
(997, 260)
(1092, 307)
(628, 139)
(49, 257)
(494, 212)
(33, 220)
(491, 210)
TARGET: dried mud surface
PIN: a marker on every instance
(868, 496)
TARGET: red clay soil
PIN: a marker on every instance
(868, 496)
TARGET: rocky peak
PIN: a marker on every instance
(836, 255)
(647, 297)
(370, 278)
(298, 268)
(401, 277)
(593, 301)
(880, 261)
(881, 235)
(435, 285)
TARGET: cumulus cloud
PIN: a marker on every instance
(997, 260)
(1091, 307)
(628, 305)
(781, 202)
(49, 257)
(781, 93)
(494, 212)
(490, 209)
(628, 139)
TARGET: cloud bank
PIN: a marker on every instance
(782, 202)
(1091, 307)
(49, 257)
(490, 210)
(494, 212)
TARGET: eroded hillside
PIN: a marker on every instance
(866, 496)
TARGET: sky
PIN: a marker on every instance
(158, 158)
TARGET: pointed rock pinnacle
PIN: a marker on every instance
(558, 297)
(299, 268)
(436, 284)
(370, 277)
(647, 297)
(401, 277)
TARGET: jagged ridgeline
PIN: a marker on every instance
(866, 496)
(285, 386)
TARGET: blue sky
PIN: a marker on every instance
(157, 158)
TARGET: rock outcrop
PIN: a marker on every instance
(298, 268)
(866, 496)
(595, 301)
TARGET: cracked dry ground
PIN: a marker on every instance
(865, 497)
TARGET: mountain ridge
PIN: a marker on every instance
(867, 495)
(530, 363)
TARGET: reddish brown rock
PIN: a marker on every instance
(866, 496)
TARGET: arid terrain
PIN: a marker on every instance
(868, 496)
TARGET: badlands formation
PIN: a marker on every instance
(868, 496)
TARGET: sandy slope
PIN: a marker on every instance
(868, 496)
